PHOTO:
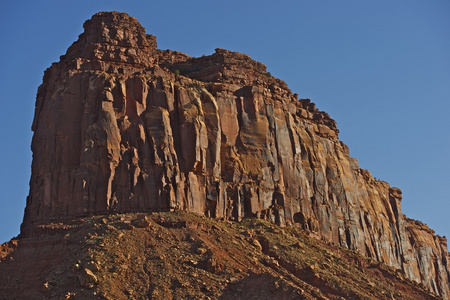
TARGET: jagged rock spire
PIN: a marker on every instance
(114, 37)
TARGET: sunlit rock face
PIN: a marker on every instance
(121, 126)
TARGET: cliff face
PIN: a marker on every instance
(123, 127)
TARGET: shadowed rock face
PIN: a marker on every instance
(123, 127)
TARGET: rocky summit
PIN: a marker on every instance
(123, 127)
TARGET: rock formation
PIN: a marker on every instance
(121, 126)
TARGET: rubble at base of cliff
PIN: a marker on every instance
(180, 255)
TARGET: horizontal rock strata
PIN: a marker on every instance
(121, 126)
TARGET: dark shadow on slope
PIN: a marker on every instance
(262, 287)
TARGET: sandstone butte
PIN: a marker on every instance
(121, 126)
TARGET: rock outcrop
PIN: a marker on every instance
(121, 126)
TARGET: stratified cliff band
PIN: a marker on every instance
(121, 126)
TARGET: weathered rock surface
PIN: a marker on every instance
(123, 127)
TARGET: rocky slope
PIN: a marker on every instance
(121, 126)
(179, 255)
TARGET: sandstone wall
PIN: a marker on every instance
(121, 126)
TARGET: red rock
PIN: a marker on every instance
(122, 127)
(87, 278)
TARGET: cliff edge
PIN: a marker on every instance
(121, 126)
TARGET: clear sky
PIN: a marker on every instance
(380, 68)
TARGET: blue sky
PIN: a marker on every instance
(380, 68)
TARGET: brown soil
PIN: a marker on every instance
(180, 255)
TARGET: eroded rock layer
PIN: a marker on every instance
(121, 126)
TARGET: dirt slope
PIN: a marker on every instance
(178, 255)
